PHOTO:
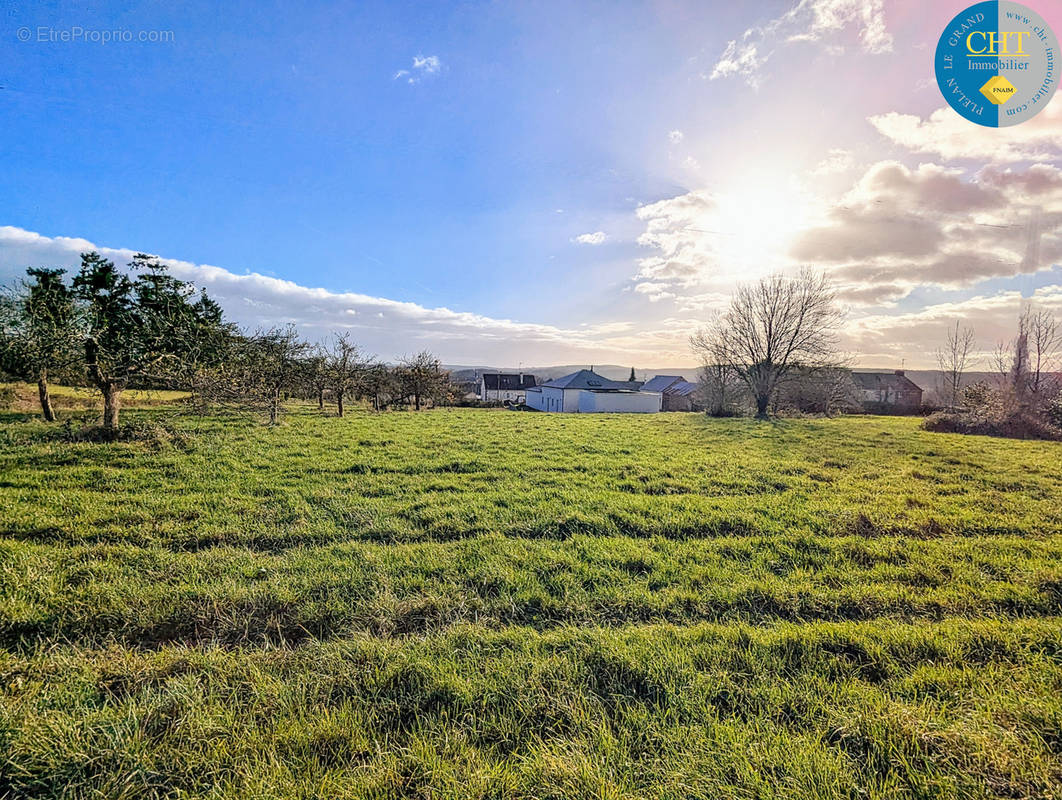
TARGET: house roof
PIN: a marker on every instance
(896, 381)
(661, 382)
(681, 389)
(588, 379)
(507, 381)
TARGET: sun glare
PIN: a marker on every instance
(755, 223)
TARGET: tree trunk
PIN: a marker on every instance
(339, 402)
(320, 399)
(762, 401)
(416, 401)
(274, 408)
(111, 404)
(42, 393)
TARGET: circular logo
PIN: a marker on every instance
(998, 63)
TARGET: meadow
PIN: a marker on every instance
(488, 604)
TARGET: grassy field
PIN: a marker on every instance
(465, 603)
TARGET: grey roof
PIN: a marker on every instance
(681, 389)
(881, 380)
(508, 380)
(587, 379)
(661, 382)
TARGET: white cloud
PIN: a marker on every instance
(838, 161)
(676, 137)
(807, 21)
(428, 64)
(387, 327)
(898, 228)
(740, 58)
(674, 228)
(597, 237)
(422, 66)
(654, 291)
(948, 135)
(888, 338)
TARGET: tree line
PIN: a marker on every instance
(776, 346)
(142, 327)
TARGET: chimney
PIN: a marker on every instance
(899, 372)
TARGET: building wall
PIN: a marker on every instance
(546, 398)
(678, 402)
(489, 395)
(619, 402)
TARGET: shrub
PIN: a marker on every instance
(1053, 410)
(1020, 424)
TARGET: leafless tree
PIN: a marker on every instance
(1044, 341)
(772, 328)
(379, 383)
(421, 378)
(952, 360)
(316, 369)
(720, 390)
(256, 373)
(344, 367)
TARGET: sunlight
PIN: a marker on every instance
(755, 222)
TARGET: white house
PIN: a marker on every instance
(586, 392)
(502, 386)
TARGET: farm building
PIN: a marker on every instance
(887, 391)
(586, 392)
(677, 393)
(502, 386)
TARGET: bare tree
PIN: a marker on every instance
(421, 378)
(379, 382)
(344, 368)
(952, 360)
(772, 328)
(720, 389)
(316, 373)
(256, 373)
(1044, 340)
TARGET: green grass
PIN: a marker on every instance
(486, 604)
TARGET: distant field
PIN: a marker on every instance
(467, 603)
(23, 397)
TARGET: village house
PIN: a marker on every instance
(887, 392)
(586, 392)
(505, 386)
(677, 393)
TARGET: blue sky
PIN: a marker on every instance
(447, 157)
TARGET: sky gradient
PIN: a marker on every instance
(528, 182)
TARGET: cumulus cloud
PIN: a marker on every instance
(422, 66)
(807, 21)
(676, 137)
(933, 225)
(672, 227)
(948, 135)
(597, 237)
